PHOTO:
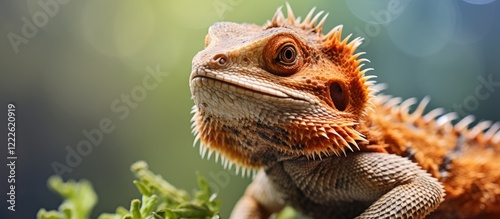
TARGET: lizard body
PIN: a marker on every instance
(296, 104)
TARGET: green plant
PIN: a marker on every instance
(160, 199)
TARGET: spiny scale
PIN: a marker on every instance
(308, 23)
(226, 163)
(334, 37)
(443, 121)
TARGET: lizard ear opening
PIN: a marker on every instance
(337, 94)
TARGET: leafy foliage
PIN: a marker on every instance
(79, 199)
(160, 199)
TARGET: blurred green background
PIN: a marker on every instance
(75, 64)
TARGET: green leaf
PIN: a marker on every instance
(135, 209)
(165, 190)
(148, 204)
(43, 214)
(79, 199)
(160, 199)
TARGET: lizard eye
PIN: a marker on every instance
(282, 56)
(287, 55)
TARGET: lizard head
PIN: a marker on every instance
(272, 92)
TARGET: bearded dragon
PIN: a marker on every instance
(297, 105)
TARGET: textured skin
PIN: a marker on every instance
(347, 192)
(296, 105)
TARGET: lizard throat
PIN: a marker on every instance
(249, 143)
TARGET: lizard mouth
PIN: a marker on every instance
(241, 86)
(247, 89)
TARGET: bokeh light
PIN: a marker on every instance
(479, 2)
(376, 11)
(425, 29)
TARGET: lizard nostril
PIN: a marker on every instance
(221, 59)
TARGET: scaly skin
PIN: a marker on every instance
(296, 105)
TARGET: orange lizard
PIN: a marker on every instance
(296, 105)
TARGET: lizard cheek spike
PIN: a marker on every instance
(297, 106)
